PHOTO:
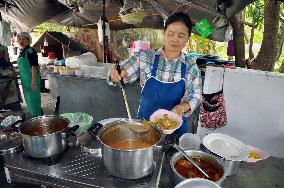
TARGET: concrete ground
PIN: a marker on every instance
(47, 103)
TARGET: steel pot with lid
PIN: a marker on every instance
(45, 136)
(127, 147)
(10, 144)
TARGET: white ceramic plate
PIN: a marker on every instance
(197, 183)
(226, 146)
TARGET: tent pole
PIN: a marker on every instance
(105, 38)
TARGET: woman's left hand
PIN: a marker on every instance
(178, 109)
(34, 87)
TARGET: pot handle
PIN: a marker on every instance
(94, 129)
(169, 141)
(121, 84)
(70, 130)
(56, 110)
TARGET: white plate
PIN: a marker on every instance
(197, 183)
(226, 146)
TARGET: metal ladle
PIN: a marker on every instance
(133, 127)
(121, 85)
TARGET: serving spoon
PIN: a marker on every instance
(169, 141)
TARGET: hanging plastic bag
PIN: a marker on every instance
(100, 30)
(79, 118)
(229, 33)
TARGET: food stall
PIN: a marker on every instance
(84, 161)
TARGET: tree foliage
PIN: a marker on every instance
(48, 26)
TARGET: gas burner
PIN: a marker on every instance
(141, 181)
(49, 161)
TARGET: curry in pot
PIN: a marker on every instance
(43, 130)
(130, 144)
(188, 170)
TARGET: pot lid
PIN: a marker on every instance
(88, 144)
(226, 146)
(197, 183)
(10, 141)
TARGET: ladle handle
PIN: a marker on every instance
(119, 71)
(190, 160)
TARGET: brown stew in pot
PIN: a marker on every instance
(187, 170)
(42, 130)
(130, 144)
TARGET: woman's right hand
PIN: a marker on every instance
(114, 76)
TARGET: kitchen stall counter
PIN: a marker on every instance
(77, 169)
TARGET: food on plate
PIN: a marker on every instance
(166, 123)
(188, 170)
(254, 155)
(130, 144)
(145, 122)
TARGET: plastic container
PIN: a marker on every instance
(66, 71)
(189, 141)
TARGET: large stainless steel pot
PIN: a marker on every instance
(196, 153)
(45, 136)
(128, 163)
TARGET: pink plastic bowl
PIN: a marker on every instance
(259, 152)
(159, 114)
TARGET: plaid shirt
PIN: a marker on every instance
(141, 64)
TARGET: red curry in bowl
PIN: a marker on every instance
(188, 170)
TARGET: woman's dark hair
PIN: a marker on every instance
(179, 17)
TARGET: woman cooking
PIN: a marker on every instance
(169, 79)
(29, 74)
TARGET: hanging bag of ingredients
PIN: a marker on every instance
(213, 110)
